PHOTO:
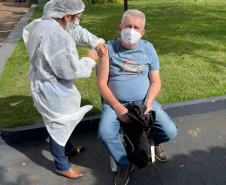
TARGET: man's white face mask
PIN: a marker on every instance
(72, 26)
(130, 36)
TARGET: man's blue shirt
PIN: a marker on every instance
(128, 75)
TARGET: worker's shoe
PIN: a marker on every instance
(73, 173)
(76, 150)
(122, 178)
(160, 154)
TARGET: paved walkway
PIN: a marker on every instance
(10, 32)
(197, 156)
(11, 13)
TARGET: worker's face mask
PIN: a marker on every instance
(130, 36)
(71, 26)
(77, 21)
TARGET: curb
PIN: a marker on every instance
(90, 123)
(38, 131)
(196, 106)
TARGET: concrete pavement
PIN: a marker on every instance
(197, 156)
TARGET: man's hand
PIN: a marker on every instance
(121, 113)
(101, 49)
(148, 108)
(155, 86)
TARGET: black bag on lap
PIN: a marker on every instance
(137, 134)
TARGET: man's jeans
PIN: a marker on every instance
(58, 152)
(164, 130)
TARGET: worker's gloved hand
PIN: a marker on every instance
(92, 54)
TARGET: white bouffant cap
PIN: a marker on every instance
(58, 8)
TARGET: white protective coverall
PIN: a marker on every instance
(54, 65)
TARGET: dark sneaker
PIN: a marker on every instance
(122, 178)
(160, 154)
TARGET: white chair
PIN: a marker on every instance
(114, 167)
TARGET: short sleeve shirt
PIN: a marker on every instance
(129, 69)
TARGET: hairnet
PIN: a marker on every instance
(58, 8)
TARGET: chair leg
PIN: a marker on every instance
(114, 167)
(152, 147)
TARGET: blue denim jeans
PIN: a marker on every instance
(58, 152)
(109, 126)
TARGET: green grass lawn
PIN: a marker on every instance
(189, 37)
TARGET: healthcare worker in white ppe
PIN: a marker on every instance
(54, 65)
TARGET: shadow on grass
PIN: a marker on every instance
(20, 110)
(17, 111)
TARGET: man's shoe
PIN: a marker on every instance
(76, 150)
(160, 154)
(122, 178)
(73, 173)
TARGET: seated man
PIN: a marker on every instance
(130, 73)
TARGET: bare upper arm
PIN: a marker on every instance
(103, 70)
(154, 76)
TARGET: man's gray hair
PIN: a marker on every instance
(134, 13)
